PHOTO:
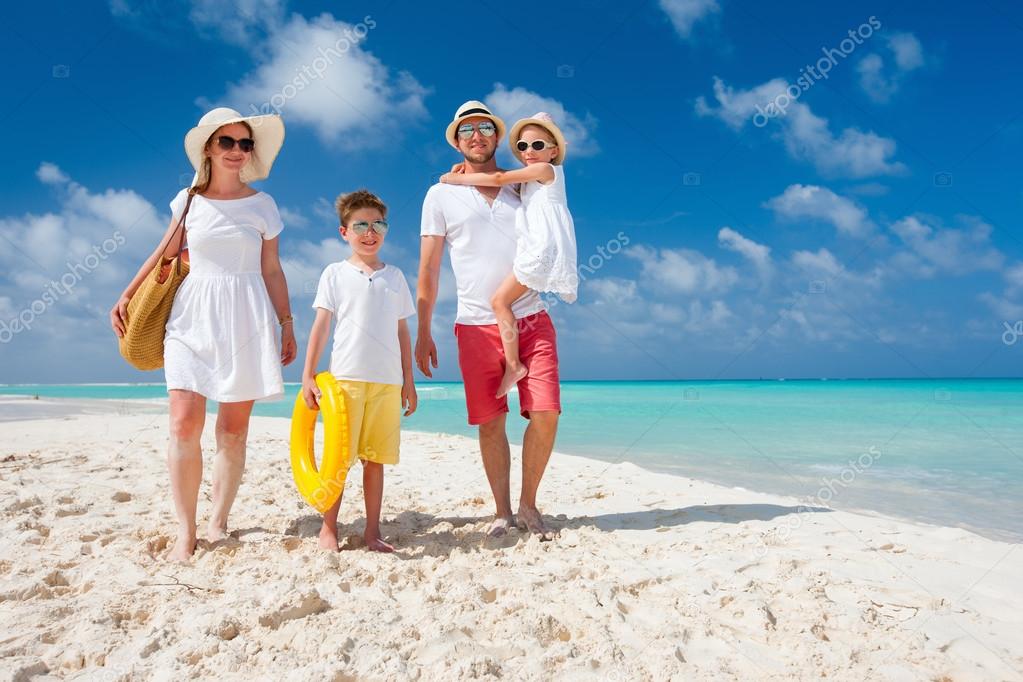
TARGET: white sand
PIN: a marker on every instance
(654, 577)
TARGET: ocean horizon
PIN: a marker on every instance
(942, 451)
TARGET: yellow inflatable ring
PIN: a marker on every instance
(323, 486)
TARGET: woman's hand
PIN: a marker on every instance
(119, 316)
(289, 348)
(311, 393)
(409, 399)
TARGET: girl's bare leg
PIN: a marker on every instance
(184, 463)
(232, 431)
(506, 294)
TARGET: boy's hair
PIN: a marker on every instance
(347, 204)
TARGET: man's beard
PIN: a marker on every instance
(480, 157)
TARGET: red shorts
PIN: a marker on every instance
(481, 358)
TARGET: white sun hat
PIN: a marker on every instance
(468, 110)
(267, 132)
(544, 120)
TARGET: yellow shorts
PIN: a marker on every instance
(374, 419)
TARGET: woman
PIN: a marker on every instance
(221, 341)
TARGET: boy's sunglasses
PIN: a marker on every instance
(227, 143)
(486, 128)
(537, 145)
(360, 228)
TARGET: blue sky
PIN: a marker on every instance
(867, 226)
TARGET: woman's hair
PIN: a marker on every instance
(207, 166)
(347, 204)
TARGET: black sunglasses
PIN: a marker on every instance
(537, 145)
(227, 143)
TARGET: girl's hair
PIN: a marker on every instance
(207, 166)
(347, 204)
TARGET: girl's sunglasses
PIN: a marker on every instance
(379, 226)
(227, 143)
(537, 145)
(486, 128)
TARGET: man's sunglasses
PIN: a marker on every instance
(360, 228)
(537, 145)
(227, 143)
(486, 128)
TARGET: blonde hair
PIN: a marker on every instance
(347, 204)
(206, 173)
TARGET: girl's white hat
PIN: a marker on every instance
(544, 120)
(267, 132)
(468, 110)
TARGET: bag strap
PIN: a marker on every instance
(181, 227)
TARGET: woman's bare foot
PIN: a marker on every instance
(532, 520)
(375, 544)
(512, 376)
(184, 548)
(216, 533)
(500, 526)
(328, 538)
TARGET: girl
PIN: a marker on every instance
(545, 254)
(221, 342)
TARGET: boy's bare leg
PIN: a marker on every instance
(328, 531)
(506, 294)
(373, 491)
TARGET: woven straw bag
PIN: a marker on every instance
(150, 307)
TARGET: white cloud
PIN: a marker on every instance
(50, 174)
(758, 254)
(684, 14)
(519, 102)
(806, 136)
(293, 217)
(240, 22)
(933, 249)
(683, 270)
(317, 73)
(1007, 310)
(881, 82)
(820, 203)
(1014, 277)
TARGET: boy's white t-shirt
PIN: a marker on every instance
(366, 311)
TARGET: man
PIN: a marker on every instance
(478, 225)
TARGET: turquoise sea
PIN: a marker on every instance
(948, 452)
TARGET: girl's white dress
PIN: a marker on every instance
(545, 253)
(222, 335)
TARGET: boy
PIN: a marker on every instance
(372, 353)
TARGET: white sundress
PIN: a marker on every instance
(222, 335)
(545, 252)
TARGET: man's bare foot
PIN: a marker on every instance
(328, 538)
(184, 548)
(375, 544)
(512, 376)
(499, 527)
(532, 520)
(216, 533)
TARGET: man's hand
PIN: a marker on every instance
(426, 353)
(311, 393)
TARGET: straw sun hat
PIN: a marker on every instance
(267, 131)
(544, 120)
(468, 110)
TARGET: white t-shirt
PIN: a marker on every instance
(366, 311)
(481, 238)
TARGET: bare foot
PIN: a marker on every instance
(328, 538)
(374, 544)
(532, 520)
(512, 376)
(499, 528)
(184, 548)
(216, 533)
